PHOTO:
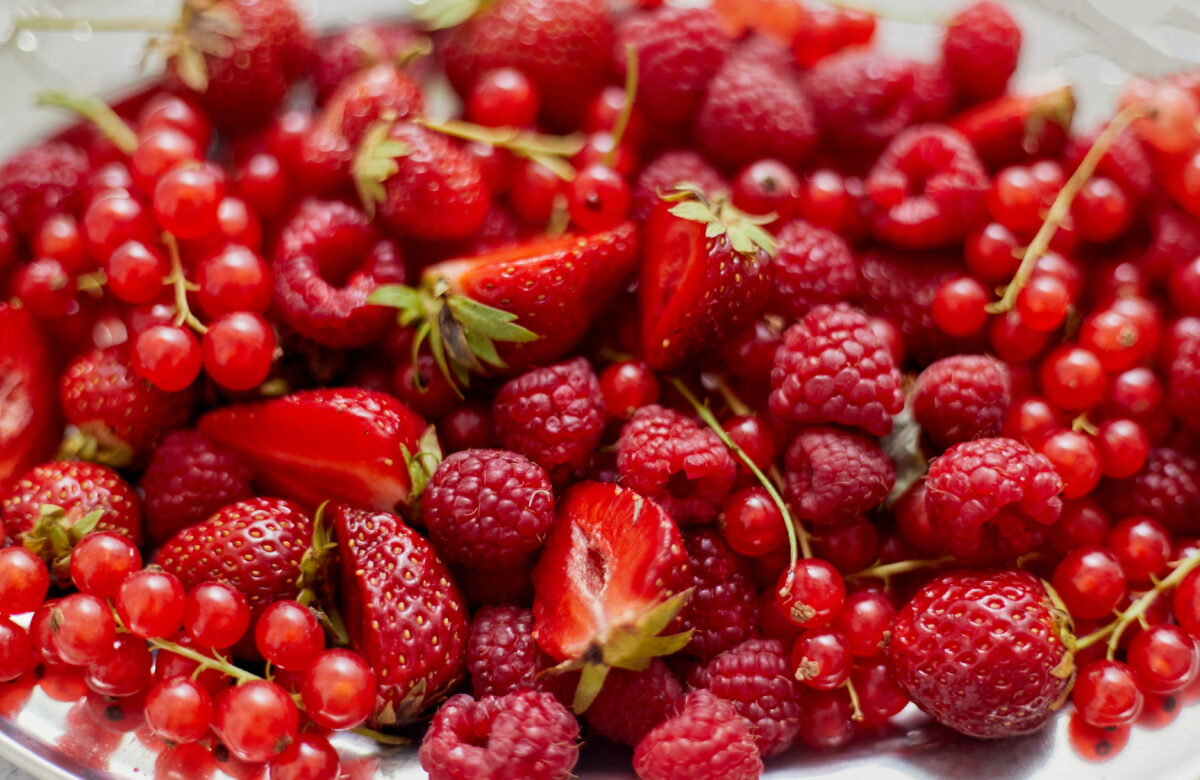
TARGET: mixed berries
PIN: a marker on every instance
(711, 383)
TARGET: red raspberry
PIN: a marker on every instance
(982, 652)
(927, 189)
(331, 240)
(673, 460)
(40, 181)
(1183, 383)
(705, 740)
(507, 585)
(359, 47)
(190, 477)
(502, 655)
(369, 95)
(554, 415)
(522, 735)
(757, 677)
(679, 50)
(723, 608)
(754, 111)
(1166, 489)
(933, 92)
(992, 500)
(900, 288)
(835, 475)
(862, 99)
(488, 508)
(980, 49)
(834, 367)
(677, 166)
(632, 703)
(962, 397)
(1175, 240)
(812, 266)
(1126, 162)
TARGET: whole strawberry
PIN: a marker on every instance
(369, 95)
(362, 46)
(984, 652)
(238, 57)
(403, 612)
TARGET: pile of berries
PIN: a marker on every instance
(712, 383)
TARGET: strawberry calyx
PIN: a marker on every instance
(375, 161)
(205, 27)
(462, 333)
(1064, 628)
(745, 232)
(552, 151)
(422, 462)
(54, 536)
(441, 14)
(96, 443)
(315, 568)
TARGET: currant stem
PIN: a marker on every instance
(885, 571)
(1082, 424)
(855, 704)
(98, 112)
(178, 280)
(631, 85)
(735, 404)
(1061, 208)
(548, 150)
(67, 23)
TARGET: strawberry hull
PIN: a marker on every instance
(28, 415)
(313, 446)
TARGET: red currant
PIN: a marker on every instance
(821, 658)
(504, 97)
(1090, 582)
(1106, 694)
(168, 356)
(165, 111)
(1015, 200)
(215, 615)
(810, 592)
(958, 306)
(1043, 303)
(1076, 460)
(752, 523)
(467, 426)
(289, 636)
(598, 199)
(135, 272)
(150, 603)
(263, 185)
(1143, 546)
(111, 219)
(159, 151)
(1163, 658)
(16, 652)
(1082, 523)
(255, 720)
(58, 237)
(753, 438)
(1186, 603)
(338, 690)
(186, 199)
(45, 288)
(1102, 211)
(767, 187)
(1072, 378)
(534, 190)
(850, 547)
(24, 581)
(238, 350)
(83, 629)
(992, 254)
(825, 201)
(826, 718)
(1032, 420)
(879, 697)
(234, 279)
(101, 562)
(1123, 447)
(1013, 340)
(179, 710)
(127, 670)
(627, 387)
(309, 757)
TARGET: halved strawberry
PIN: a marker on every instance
(29, 427)
(346, 444)
(611, 577)
(705, 276)
(402, 610)
(535, 299)
(1012, 129)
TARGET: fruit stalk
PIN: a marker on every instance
(178, 281)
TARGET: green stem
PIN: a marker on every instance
(60, 23)
(178, 281)
(885, 571)
(1137, 610)
(631, 85)
(548, 150)
(96, 110)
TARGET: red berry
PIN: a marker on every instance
(767, 186)
(165, 110)
(1076, 460)
(1186, 604)
(100, 563)
(127, 669)
(503, 97)
(58, 237)
(309, 757)
(1090, 582)
(263, 185)
(135, 272)
(958, 306)
(1143, 546)
(980, 49)
(289, 636)
(1123, 447)
(44, 287)
(234, 279)
(627, 387)
(810, 593)
(159, 150)
(1015, 200)
(112, 218)
(598, 198)
(1101, 211)
(338, 690)
(1072, 378)
(186, 200)
(83, 629)
(168, 356)
(215, 615)
(1042, 302)
(1106, 694)
(24, 580)
(16, 652)
(752, 523)
(1163, 658)
(821, 658)
(238, 350)
(255, 720)
(150, 603)
(179, 709)
(865, 620)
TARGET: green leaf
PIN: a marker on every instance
(85, 525)
(489, 321)
(484, 349)
(455, 339)
(694, 210)
(440, 14)
(375, 162)
(422, 463)
(761, 238)
(591, 680)
(395, 296)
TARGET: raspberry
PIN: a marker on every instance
(41, 181)
(862, 100)
(488, 508)
(723, 609)
(1175, 240)
(812, 266)
(927, 189)
(677, 166)
(679, 50)
(980, 49)
(757, 677)
(933, 91)
(554, 415)
(754, 111)
(1166, 489)
(900, 288)
(1126, 162)
(1183, 383)
(190, 477)
(962, 397)
(522, 735)
(982, 652)
(506, 585)
(705, 740)
(834, 475)
(673, 460)
(834, 367)
(632, 703)
(992, 500)
(502, 655)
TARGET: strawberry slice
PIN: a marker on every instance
(516, 307)
(402, 610)
(1013, 129)
(359, 446)
(29, 428)
(705, 276)
(611, 577)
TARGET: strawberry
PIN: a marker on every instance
(119, 414)
(402, 610)
(419, 183)
(611, 577)
(362, 46)
(537, 299)
(238, 57)
(29, 429)
(256, 546)
(360, 446)
(54, 505)
(705, 276)
(1012, 129)
(369, 95)
(562, 46)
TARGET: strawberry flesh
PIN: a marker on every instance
(28, 415)
(613, 556)
(345, 444)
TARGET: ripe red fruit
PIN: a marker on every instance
(83, 628)
(1163, 659)
(980, 49)
(835, 475)
(288, 635)
(179, 710)
(1090, 582)
(238, 350)
(29, 396)
(100, 563)
(1106, 695)
(705, 740)
(150, 603)
(255, 720)
(24, 581)
(810, 593)
(167, 356)
(216, 615)
(338, 690)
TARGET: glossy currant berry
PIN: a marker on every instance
(179, 710)
(466, 427)
(1135, 393)
(1032, 420)
(101, 562)
(604, 150)
(128, 669)
(628, 386)
(263, 185)
(1043, 303)
(289, 636)
(255, 720)
(1163, 658)
(186, 199)
(44, 287)
(850, 547)
(1076, 460)
(605, 110)
(865, 621)
(1101, 211)
(1013, 341)
(238, 350)
(752, 523)
(168, 356)
(16, 650)
(1072, 378)
(1015, 200)
(309, 757)
(598, 198)
(236, 278)
(1114, 338)
(1169, 120)
(753, 437)
(767, 187)
(112, 218)
(135, 272)
(810, 592)
(1090, 582)
(1106, 694)
(165, 111)
(1186, 604)
(1184, 287)
(822, 658)
(958, 306)
(1082, 523)
(157, 152)
(1123, 447)
(339, 690)
(83, 629)
(826, 718)
(59, 238)
(41, 635)
(150, 603)
(992, 253)
(825, 200)
(504, 97)
(534, 190)
(879, 697)
(24, 581)
(215, 615)
(1143, 546)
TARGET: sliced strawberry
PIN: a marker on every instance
(609, 579)
(1016, 128)
(402, 610)
(516, 307)
(29, 427)
(705, 277)
(345, 444)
